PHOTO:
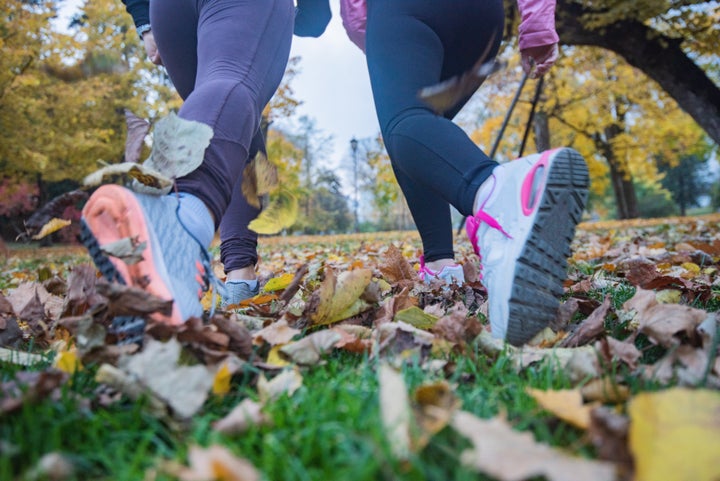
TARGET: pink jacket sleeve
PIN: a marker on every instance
(537, 23)
(354, 19)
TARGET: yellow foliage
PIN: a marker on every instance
(675, 435)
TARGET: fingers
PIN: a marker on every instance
(536, 61)
(151, 48)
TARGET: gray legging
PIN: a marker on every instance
(226, 58)
(412, 44)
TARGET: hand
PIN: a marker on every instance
(151, 48)
(536, 61)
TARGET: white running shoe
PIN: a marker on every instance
(448, 274)
(523, 229)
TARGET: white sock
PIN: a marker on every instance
(196, 218)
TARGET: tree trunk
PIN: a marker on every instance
(661, 58)
(541, 127)
(623, 188)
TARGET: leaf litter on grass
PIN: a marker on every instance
(645, 294)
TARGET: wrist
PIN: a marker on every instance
(142, 29)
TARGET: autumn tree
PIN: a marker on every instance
(674, 42)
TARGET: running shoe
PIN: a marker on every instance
(237, 291)
(174, 264)
(448, 274)
(522, 233)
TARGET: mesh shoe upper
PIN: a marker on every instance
(522, 232)
(174, 264)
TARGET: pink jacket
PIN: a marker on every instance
(537, 22)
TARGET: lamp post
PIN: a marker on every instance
(354, 147)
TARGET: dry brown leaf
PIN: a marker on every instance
(129, 250)
(590, 328)
(183, 388)
(663, 322)
(395, 268)
(246, 414)
(608, 432)
(51, 467)
(276, 333)
(287, 382)
(457, 326)
(395, 411)
(508, 455)
(625, 351)
(215, 463)
(310, 349)
(434, 405)
(340, 297)
(605, 390)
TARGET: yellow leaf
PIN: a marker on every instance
(260, 177)
(675, 435)
(146, 176)
(53, 226)
(275, 358)
(691, 267)
(566, 404)
(340, 296)
(279, 283)
(67, 361)
(221, 383)
(280, 214)
(416, 317)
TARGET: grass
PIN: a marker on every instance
(329, 429)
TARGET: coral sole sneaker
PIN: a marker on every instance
(523, 230)
(171, 267)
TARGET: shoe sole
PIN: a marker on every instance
(114, 213)
(542, 265)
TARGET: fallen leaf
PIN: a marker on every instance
(396, 268)
(457, 326)
(178, 146)
(590, 328)
(51, 467)
(243, 416)
(608, 432)
(183, 388)
(129, 250)
(309, 350)
(260, 177)
(675, 435)
(566, 404)
(416, 317)
(276, 333)
(287, 382)
(434, 405)
(508, 455)
(67, 361)
(625, 351)
(339, 297)
(154, 180)
(280, 214)
(662, 322)
(137, 129)
(54, 225)
(395, 411)
(221, 380)
(605, 390)
(279, 283)
(215, 463)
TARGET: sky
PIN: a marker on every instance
(333, 85)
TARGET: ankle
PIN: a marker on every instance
(242, 274)
(439, 264)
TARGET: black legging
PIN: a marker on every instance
(413, 44)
